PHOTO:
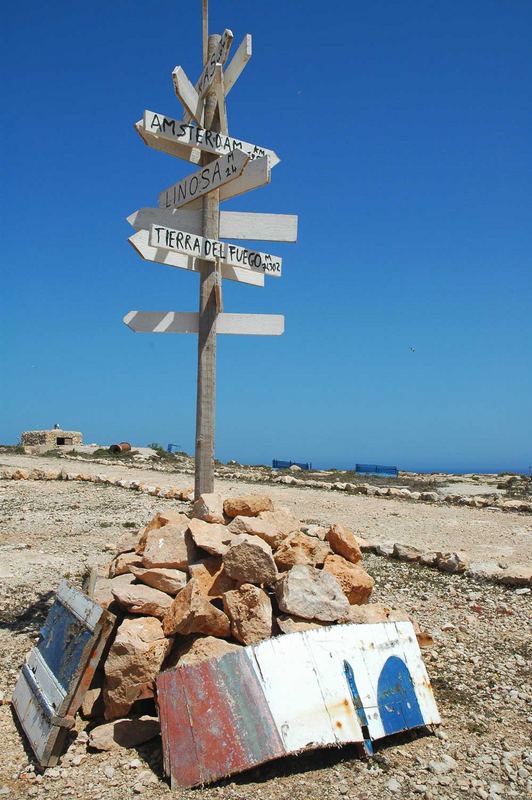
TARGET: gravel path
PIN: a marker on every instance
(486, 535)
(479, 664)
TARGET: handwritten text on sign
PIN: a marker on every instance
(174, 130)
(213, 250)
(219, 56)
(217, 173)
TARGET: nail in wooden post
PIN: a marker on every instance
(206, 391)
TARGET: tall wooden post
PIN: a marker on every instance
(206, 391)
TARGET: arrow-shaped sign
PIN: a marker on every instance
(213, 250)
(192, 96)
(186, 141)
(188, 322)
(211, 177)
(140, 242)
(237, 63)
(233, 224)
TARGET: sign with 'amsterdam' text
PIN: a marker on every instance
(193, 136)
(214, 250)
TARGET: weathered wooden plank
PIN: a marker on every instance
(187, 93)
(257, 173)
(217, 174)
(214, 250)
(188, 322)
(58, 671)
(140, 242)
(218, 84)
(184, 140)
(233, 224)
(217, 56)
(237, 63)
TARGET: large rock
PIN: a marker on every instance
(250, 612)
(248, 505)
(210, 536)
(312, 594)
(452, 562)
(194, 649)
(406, 552)
(209, 507)
(356, 584)
(299, 548)
(170, 547)
(517, 575)
(191, 612)
(344, 543)
(170, 581)
(255, 526)
(122, 563)
(213, 581)
(124, 733)
(103, 588)
(133, 662)
(281, 519)
(250, 560)
(140, 599)
(291, 624)
(160, 520)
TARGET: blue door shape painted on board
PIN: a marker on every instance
(396, 697)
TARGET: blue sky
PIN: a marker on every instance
(404, 134)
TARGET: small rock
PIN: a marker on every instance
(394, 785)
(213, 581)
(452, 562)
(356, 583)
(140, 599)
(311, 594)
(343, 542)
(200, 648)
(191, 612)
(170, 581)
(257, 526)
(250, 560)
(209, 507)
(124, 733)
(250, 612)
(298, 548)
(170, 547)
(121, 564)
(210, 536)
(291, 624)
(247, 506)
(405, 552)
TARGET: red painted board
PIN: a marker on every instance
(215, 720)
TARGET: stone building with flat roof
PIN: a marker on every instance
(56, 437)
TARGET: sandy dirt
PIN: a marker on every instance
(488, 536)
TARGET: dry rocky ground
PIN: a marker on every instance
(479, 664)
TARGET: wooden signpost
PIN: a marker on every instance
(186, 230)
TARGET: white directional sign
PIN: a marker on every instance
(233, 224)
(216, 174)
(237, 63)
(213, 250)
(159, 129)
(193, 101)
(140, 242)
(256, 173)
(188, 322)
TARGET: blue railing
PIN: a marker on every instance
(276, 464)
(377, 469)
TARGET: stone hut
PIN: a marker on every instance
(56, 437)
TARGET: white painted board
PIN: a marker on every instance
(215, 175)
(218, 56)
(214, 250)
(140, 242)
(257, 173)
(188, 322)
(187, 93)
(156, 128)
(237, 63)
(233, 224)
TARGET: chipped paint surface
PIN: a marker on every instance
(59, 670)
(317, 688)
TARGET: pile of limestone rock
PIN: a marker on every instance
(187, 588)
